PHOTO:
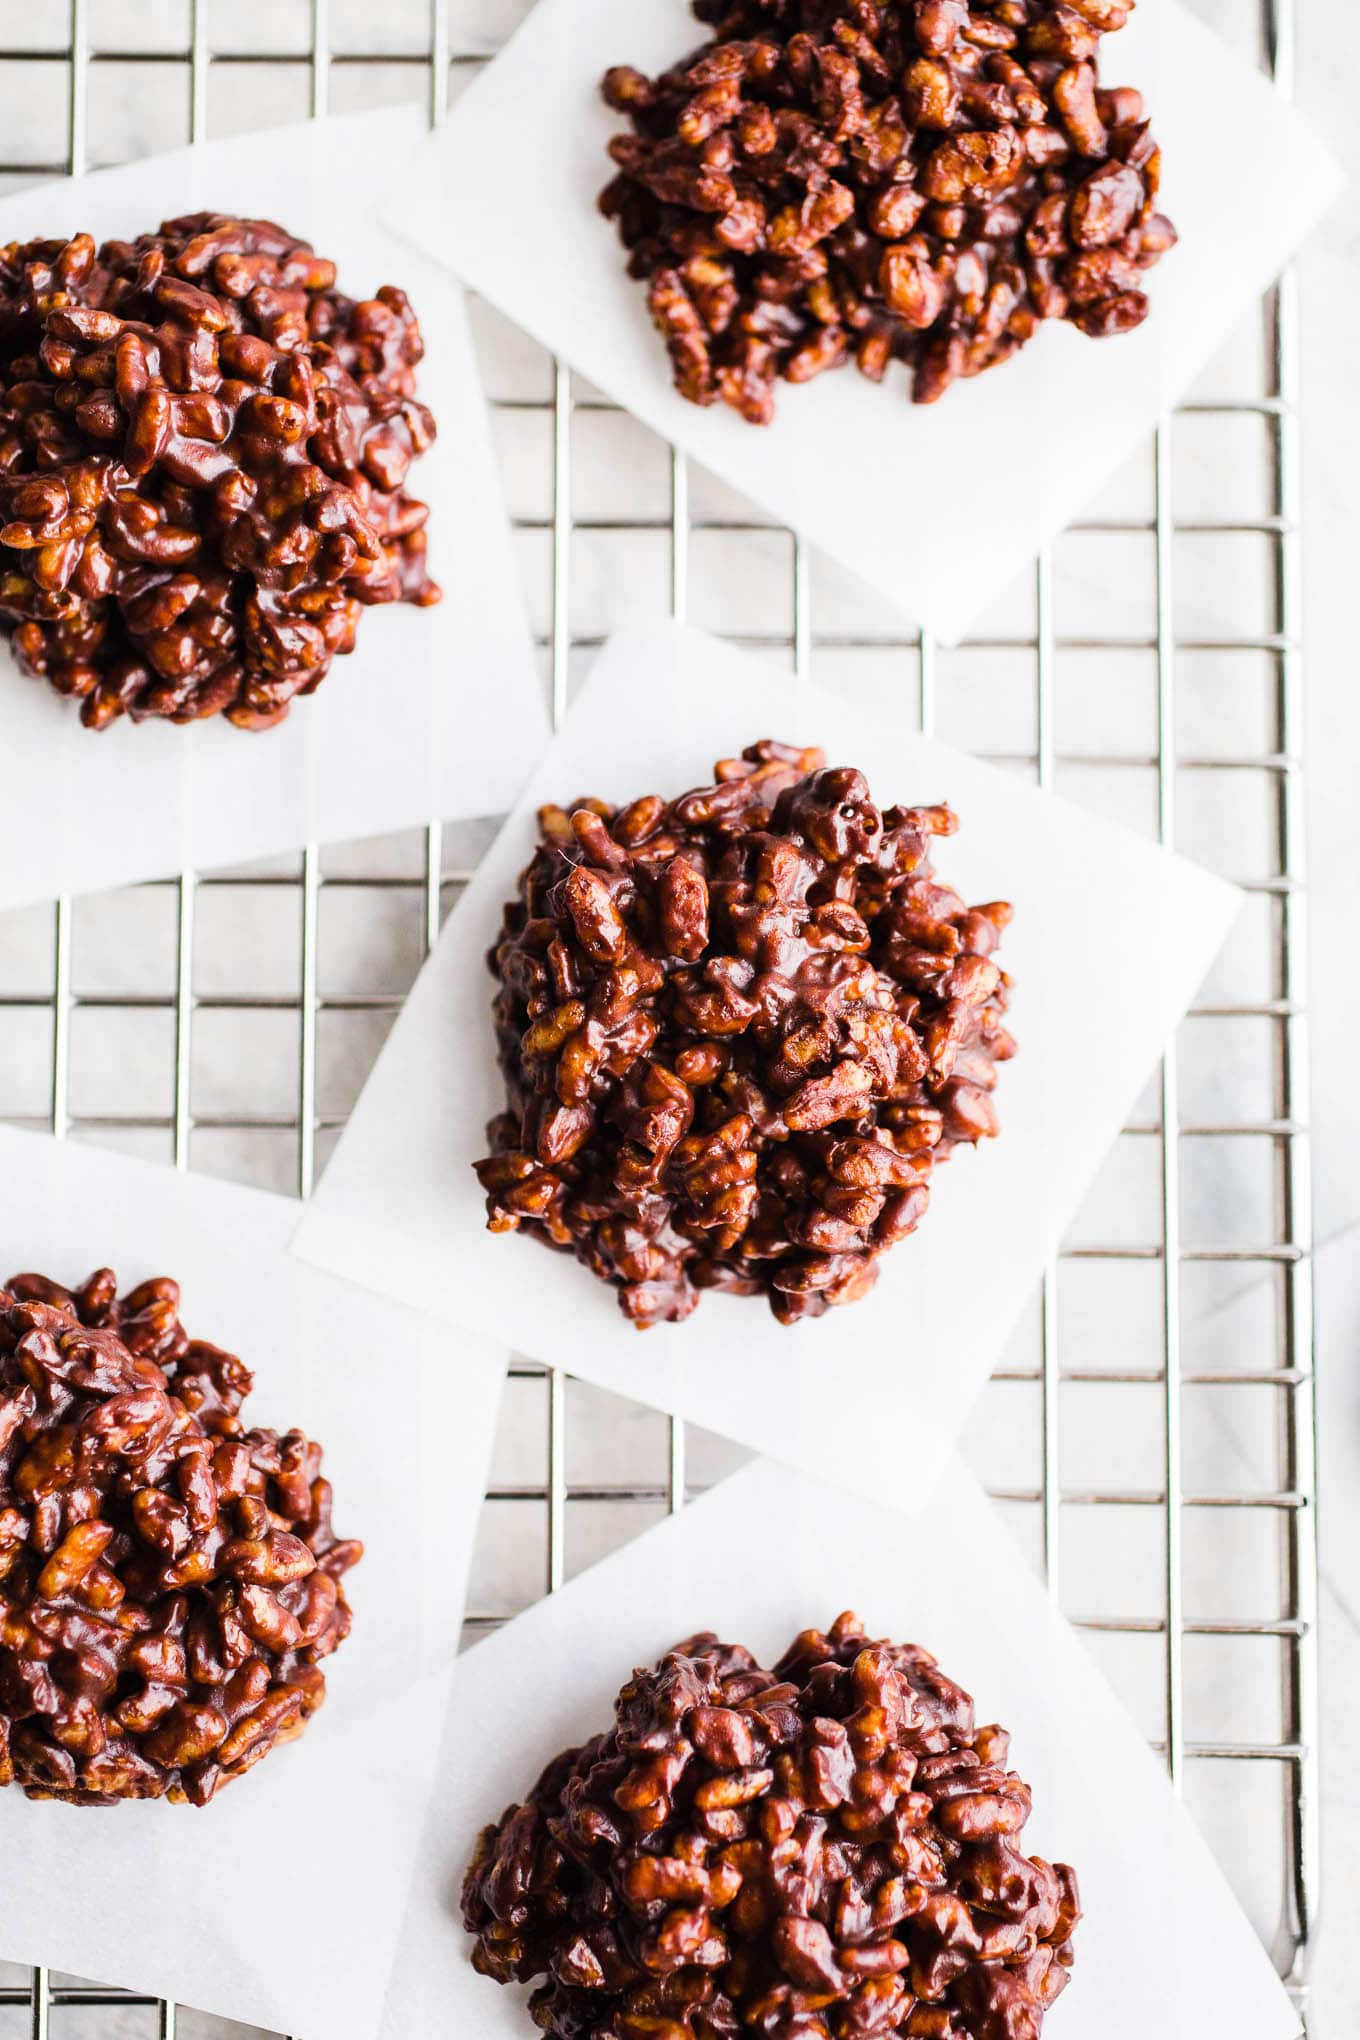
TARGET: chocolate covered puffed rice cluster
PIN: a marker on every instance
(877, 180)
(203, 456)
(169, 1580)
(827, 1851)
(738, 1031)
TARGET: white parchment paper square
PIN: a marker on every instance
(1163, 1947)
(1110, 939)
(277, 1904)
(938, 508)
(435, 713)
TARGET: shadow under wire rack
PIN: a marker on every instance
(1151, 664)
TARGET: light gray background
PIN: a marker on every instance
(245, 1063)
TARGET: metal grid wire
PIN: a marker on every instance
(551, 1475)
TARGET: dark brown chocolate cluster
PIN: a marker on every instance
(876, 180)
(203, 457)
(738, 1031)
(169, 1580)
(828, 1851)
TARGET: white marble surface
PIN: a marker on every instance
(246, 1064)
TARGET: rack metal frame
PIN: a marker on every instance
(1289, 1380)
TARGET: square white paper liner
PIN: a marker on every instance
(1163, 1947)
(435, 714)
(279, 1903)
(938, 508)
(1111, 937)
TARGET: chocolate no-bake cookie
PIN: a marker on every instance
(738, 1031)
(829, 1850)
(169, 1580)
(204, 451)
(875, 180)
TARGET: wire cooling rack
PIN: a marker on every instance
(1149, 1433)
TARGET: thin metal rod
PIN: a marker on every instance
(925, 683)
(78, 105)
(802, 608)
(434, 886)
(439, 60)
(677, 1485)
(1253, 407)
(77, 149)
(561, 599)
(561, 673)
(1051, 1404)
(320, 58)
(184, 1014)
(676, 1471)
(40, 2027)
(60, 1105)
(438, 107)
(1170, 1172)
(679, 529)
(200, 62)
(1271, 1502)
(307, 1018)
(308, 1003)
(868, 641)
(245, 60)
(557, 1479)
(76, 157)
(1238, 527)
